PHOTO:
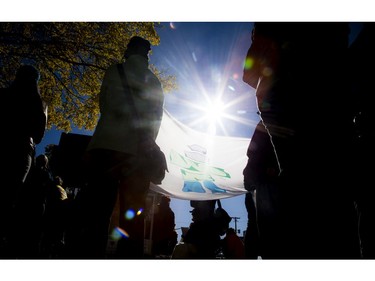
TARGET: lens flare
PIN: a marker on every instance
(267, 71)
(140, 211)
(129, 214)
(249, 62)
(194, 57)
(201, 84)
(119, 233)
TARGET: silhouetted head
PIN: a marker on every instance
(41, 161)
(222, 216)
(222, 220)
(58, 180)
(27, 73)
(202, 209)
(137, 46)
(231, 231)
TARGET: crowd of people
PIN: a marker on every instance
(308, 171)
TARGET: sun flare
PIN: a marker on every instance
(214, 111)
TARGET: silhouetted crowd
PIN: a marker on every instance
(308, 176)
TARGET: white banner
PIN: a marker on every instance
(201, 166)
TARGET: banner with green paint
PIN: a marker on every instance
(201, 166)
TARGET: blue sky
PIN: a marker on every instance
(207, 59)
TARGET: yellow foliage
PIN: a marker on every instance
(72, 58)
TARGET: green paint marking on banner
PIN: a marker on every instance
(197, 175)
(197, 167)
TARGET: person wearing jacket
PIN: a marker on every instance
(24, 119)
(113, 150)
(299, 72)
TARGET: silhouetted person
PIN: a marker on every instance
(232, 245)
(299, 72)
(112, 153)
(24, 121)
(260, 179)
(55, 219)
(362, 60)
(31, 207)
(205, 230)
(164, 237)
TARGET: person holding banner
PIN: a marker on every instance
(112, 154)
(299, 72)
(262, 200)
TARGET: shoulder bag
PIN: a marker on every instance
(150, 158)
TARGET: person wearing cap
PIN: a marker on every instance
(112, 152)
(208, 224)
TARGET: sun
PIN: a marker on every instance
(214, 114)
(214, 111)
